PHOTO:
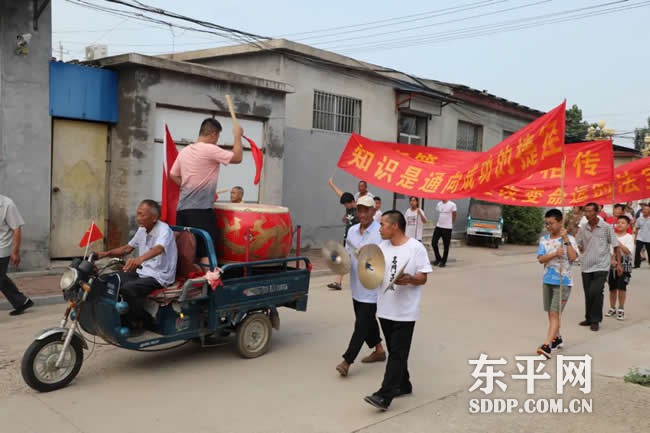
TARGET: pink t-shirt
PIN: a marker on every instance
(198, 167)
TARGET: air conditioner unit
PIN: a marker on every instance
(96, 52)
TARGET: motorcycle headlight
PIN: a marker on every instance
(68, 279)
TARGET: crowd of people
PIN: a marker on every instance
(607, 248)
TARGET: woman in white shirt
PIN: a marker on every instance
(415, 220)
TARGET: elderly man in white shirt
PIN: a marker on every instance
(364, 301)
(155, 265)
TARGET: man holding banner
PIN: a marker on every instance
(196, 170)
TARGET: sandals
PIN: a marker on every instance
(335, 286)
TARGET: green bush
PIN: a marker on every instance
(523, 224)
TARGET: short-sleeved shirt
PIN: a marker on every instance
(163, 266)
(402, 303)
(350, 219)
(414, 224)
(596, 244)
(355, 241)
(626, 240)
(198, 167)
(643, 225)
(377, 216)
(557, 266)
(10, 220)
(446, 214)
(358, 194)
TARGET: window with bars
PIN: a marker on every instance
(470, 137)
(336, 113)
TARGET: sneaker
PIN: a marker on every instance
(620, 314)
(557, 343)
(611, 312)
(545, 350)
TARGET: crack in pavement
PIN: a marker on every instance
(65, 418)
(414, 408)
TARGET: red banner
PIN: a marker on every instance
(413, 170)
(632, 181)
(588, 177)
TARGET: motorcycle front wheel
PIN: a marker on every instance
(39, 363)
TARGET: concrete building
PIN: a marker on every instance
(336, 95)
(25, 133)
(155, 92)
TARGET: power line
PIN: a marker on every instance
(226, 34)
(489, 29)
(411, 29)
(484, 27)
(425, 15)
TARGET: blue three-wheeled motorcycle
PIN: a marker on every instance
(245, 302)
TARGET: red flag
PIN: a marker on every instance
(170, 190)
(92, 234)
(258, 158)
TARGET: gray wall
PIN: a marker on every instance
(378, 117)
(132, 139)
(312, 155)
(25, 126)
(310, 160)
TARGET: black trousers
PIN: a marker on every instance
(594, 286)
(8, 288)
(366, 329)
(445, 234)
(204, 219)
(134, 290)
(637, 252)
(398, 337)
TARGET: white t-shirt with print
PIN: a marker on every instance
(627, 240)
(414, 224)
(402, 303)
(446, 217)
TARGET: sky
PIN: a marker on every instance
(599, 62)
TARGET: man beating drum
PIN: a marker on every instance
(196, 170)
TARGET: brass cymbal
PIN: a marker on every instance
(336, 257)
(371, 266)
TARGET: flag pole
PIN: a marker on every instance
(565, 250)
(90, 235)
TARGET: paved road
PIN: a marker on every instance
(487, 301)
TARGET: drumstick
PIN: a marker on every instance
(232, 111)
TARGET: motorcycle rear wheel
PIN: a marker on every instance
(38, 364)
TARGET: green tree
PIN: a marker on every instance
(639, 135)
(576, 128)
(523, 224)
